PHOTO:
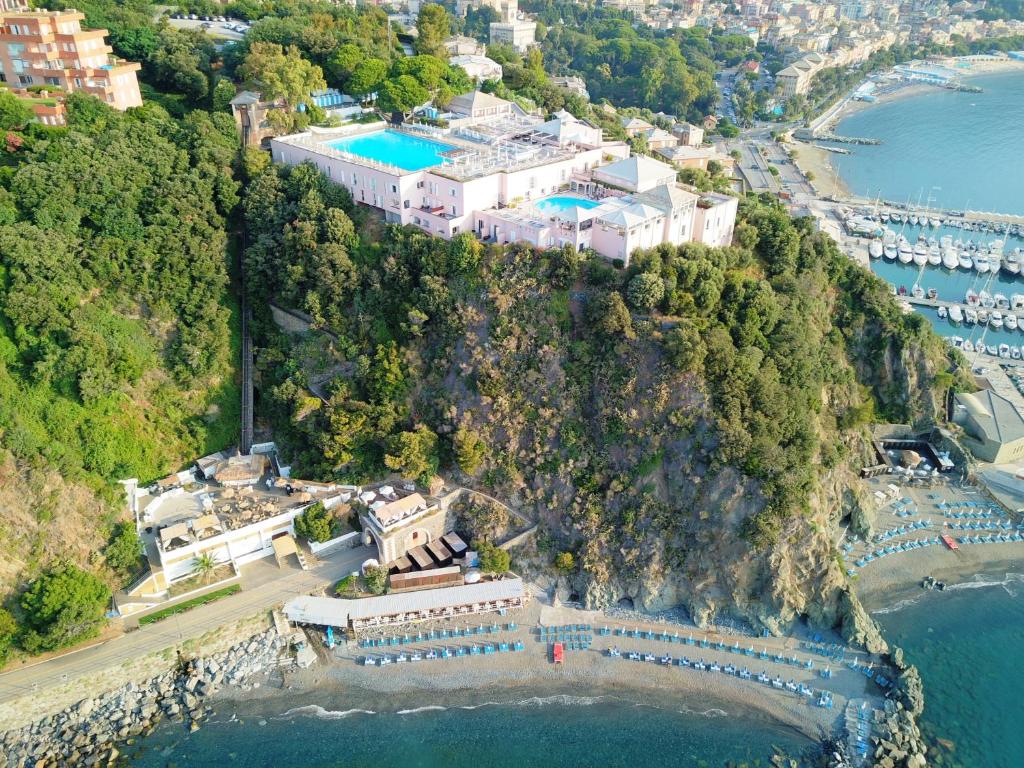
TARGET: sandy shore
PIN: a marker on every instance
(340, 681)
(886, 582)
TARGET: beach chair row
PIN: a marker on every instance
(717, 645)
(436, 634)
(459, 651)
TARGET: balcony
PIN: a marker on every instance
(438, 211)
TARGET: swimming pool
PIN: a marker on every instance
(561, 203)
(411, 153)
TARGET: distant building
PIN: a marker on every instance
(572, 83)
(715, 219)
(696, 157)
(634, 126)
(479, 68)
(250, 114)
(690, 135)
(797, 77)
(460, 45)
(994, 426)
(50, 48)
(521, 34)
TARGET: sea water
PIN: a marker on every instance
(550, 730)
(960, 149)
(967, 642)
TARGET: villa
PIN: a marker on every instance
(509, 176)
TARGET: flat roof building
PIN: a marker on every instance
(994, 426)
(408, 607)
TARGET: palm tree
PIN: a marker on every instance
(204, 565)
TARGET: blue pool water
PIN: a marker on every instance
(560, 203)
(410, 153)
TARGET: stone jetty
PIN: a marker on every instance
(90, 732)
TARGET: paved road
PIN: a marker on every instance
(264, 586)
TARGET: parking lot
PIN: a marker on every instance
(214, 26)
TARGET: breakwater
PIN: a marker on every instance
(94, 730)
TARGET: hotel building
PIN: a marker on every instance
(50, 48)
(507, 176)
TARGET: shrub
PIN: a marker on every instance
(376, 578)
(645, 291)
(565, 562)
(347, 587)
(124, 551)
(315, 523)
(63, 606)
(8, 631)
(492, 559)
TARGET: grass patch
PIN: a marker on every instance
(152, 618)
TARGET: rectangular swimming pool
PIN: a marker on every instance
(411, 153)
(561, 203)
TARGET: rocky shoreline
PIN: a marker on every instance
(90, 732)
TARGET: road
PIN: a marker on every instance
(264, 586)
(215, 29)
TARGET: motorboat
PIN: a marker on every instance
(981, 263)
(913, 219)
(932, 293)
(968, 346)
(996, 320)
(955, 314)
(1013, 261)
(943, 312)
(970, 315)
(992, 349)
(982, 317)
(1001, 301)
(905, 253)
(875, 249)
(920, 256)
(964, 260)
(897, 218)
(986, 300)
(917, 292)
(933, 222)
(1015, 353)
(1017, 301)
(890, 252)
(971, 297)
(934, 256)
(1004, 351)
(1010, 321)
(949, 259)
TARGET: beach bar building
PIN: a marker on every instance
(408, 607)
(994, 426)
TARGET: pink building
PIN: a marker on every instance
(50, 48)
(715, 219)
(505, 176)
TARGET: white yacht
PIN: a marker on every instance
(1015, 353)
(970, 315)
(971, 297)
(1004, 351)
(920, 254)
(917, 292)
(913, 219)
(933, 222)
(1001, 302)
(1017, 301)
(943, 312)
(1013, 260)
(981, 263)
(890, 252)
(968, 346)
(875, 249)
(934, 257)
(965, 261)
(956, 315)
(982, 317)
(1010, 321)
(996, 320)
(905, 253)
(986, 300)
(949, 259)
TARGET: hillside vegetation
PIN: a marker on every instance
(115, 320)
(683, 427)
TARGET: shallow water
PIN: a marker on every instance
(544, 730)
(960, 149)
(967, 643)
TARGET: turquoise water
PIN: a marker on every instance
(967, 144)
(967, 643)
(560, 203)
(554, 731)
(408, 152)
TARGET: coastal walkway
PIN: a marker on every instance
(263, 586)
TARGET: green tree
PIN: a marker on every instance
(204, 566)
(223, 93)
(376, 578)
(282, 74)
(685, 348)
(645, 291)
(413, 454)
(63, 606)
(608, 315)
(366, 77)
(433, 26)
(8, 633)
(124, 552)
(402, 94)
(470, 450)
(315, 523)
(565, 562)
(492, 559)
(15, 113)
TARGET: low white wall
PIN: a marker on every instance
(350, 539)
